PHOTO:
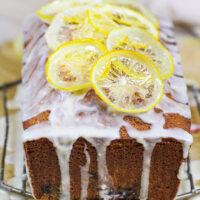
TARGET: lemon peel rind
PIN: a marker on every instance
(43, 16)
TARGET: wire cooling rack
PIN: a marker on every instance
(23, 190)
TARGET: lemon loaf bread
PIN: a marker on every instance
(77, 148)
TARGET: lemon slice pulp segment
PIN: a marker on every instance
(109, 17)
(68, 68)
(137, 40)
(127, 81)
(134, 4)
(101, 22)
(71, 24)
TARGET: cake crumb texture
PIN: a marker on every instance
(123, 133)
(42, 117)
(44, 169)
(166, 159)
(137, 123)
(77, 160)
(174, 120)
(124, 158)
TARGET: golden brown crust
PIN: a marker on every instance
(91, 98)
(158, 110)
(42, 117)
(169, 95)
(124, 158)
(78, 159)
(44, 169)
(123, 133)
(90, 95)
(174, 120)
(166, 159)
(137, 123)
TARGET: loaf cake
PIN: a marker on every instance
(77, 149)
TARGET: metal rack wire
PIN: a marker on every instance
(23, 191)
(3, 185)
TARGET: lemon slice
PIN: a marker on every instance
(50, 10)
(142, 42)
(68, 68)
(127, 81)
(108, 18)
(71, 24)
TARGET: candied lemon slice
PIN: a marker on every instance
(50, 10)
(108, 18)
(68, 68)
(142, 42)
(71, 24)
(127, 81)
